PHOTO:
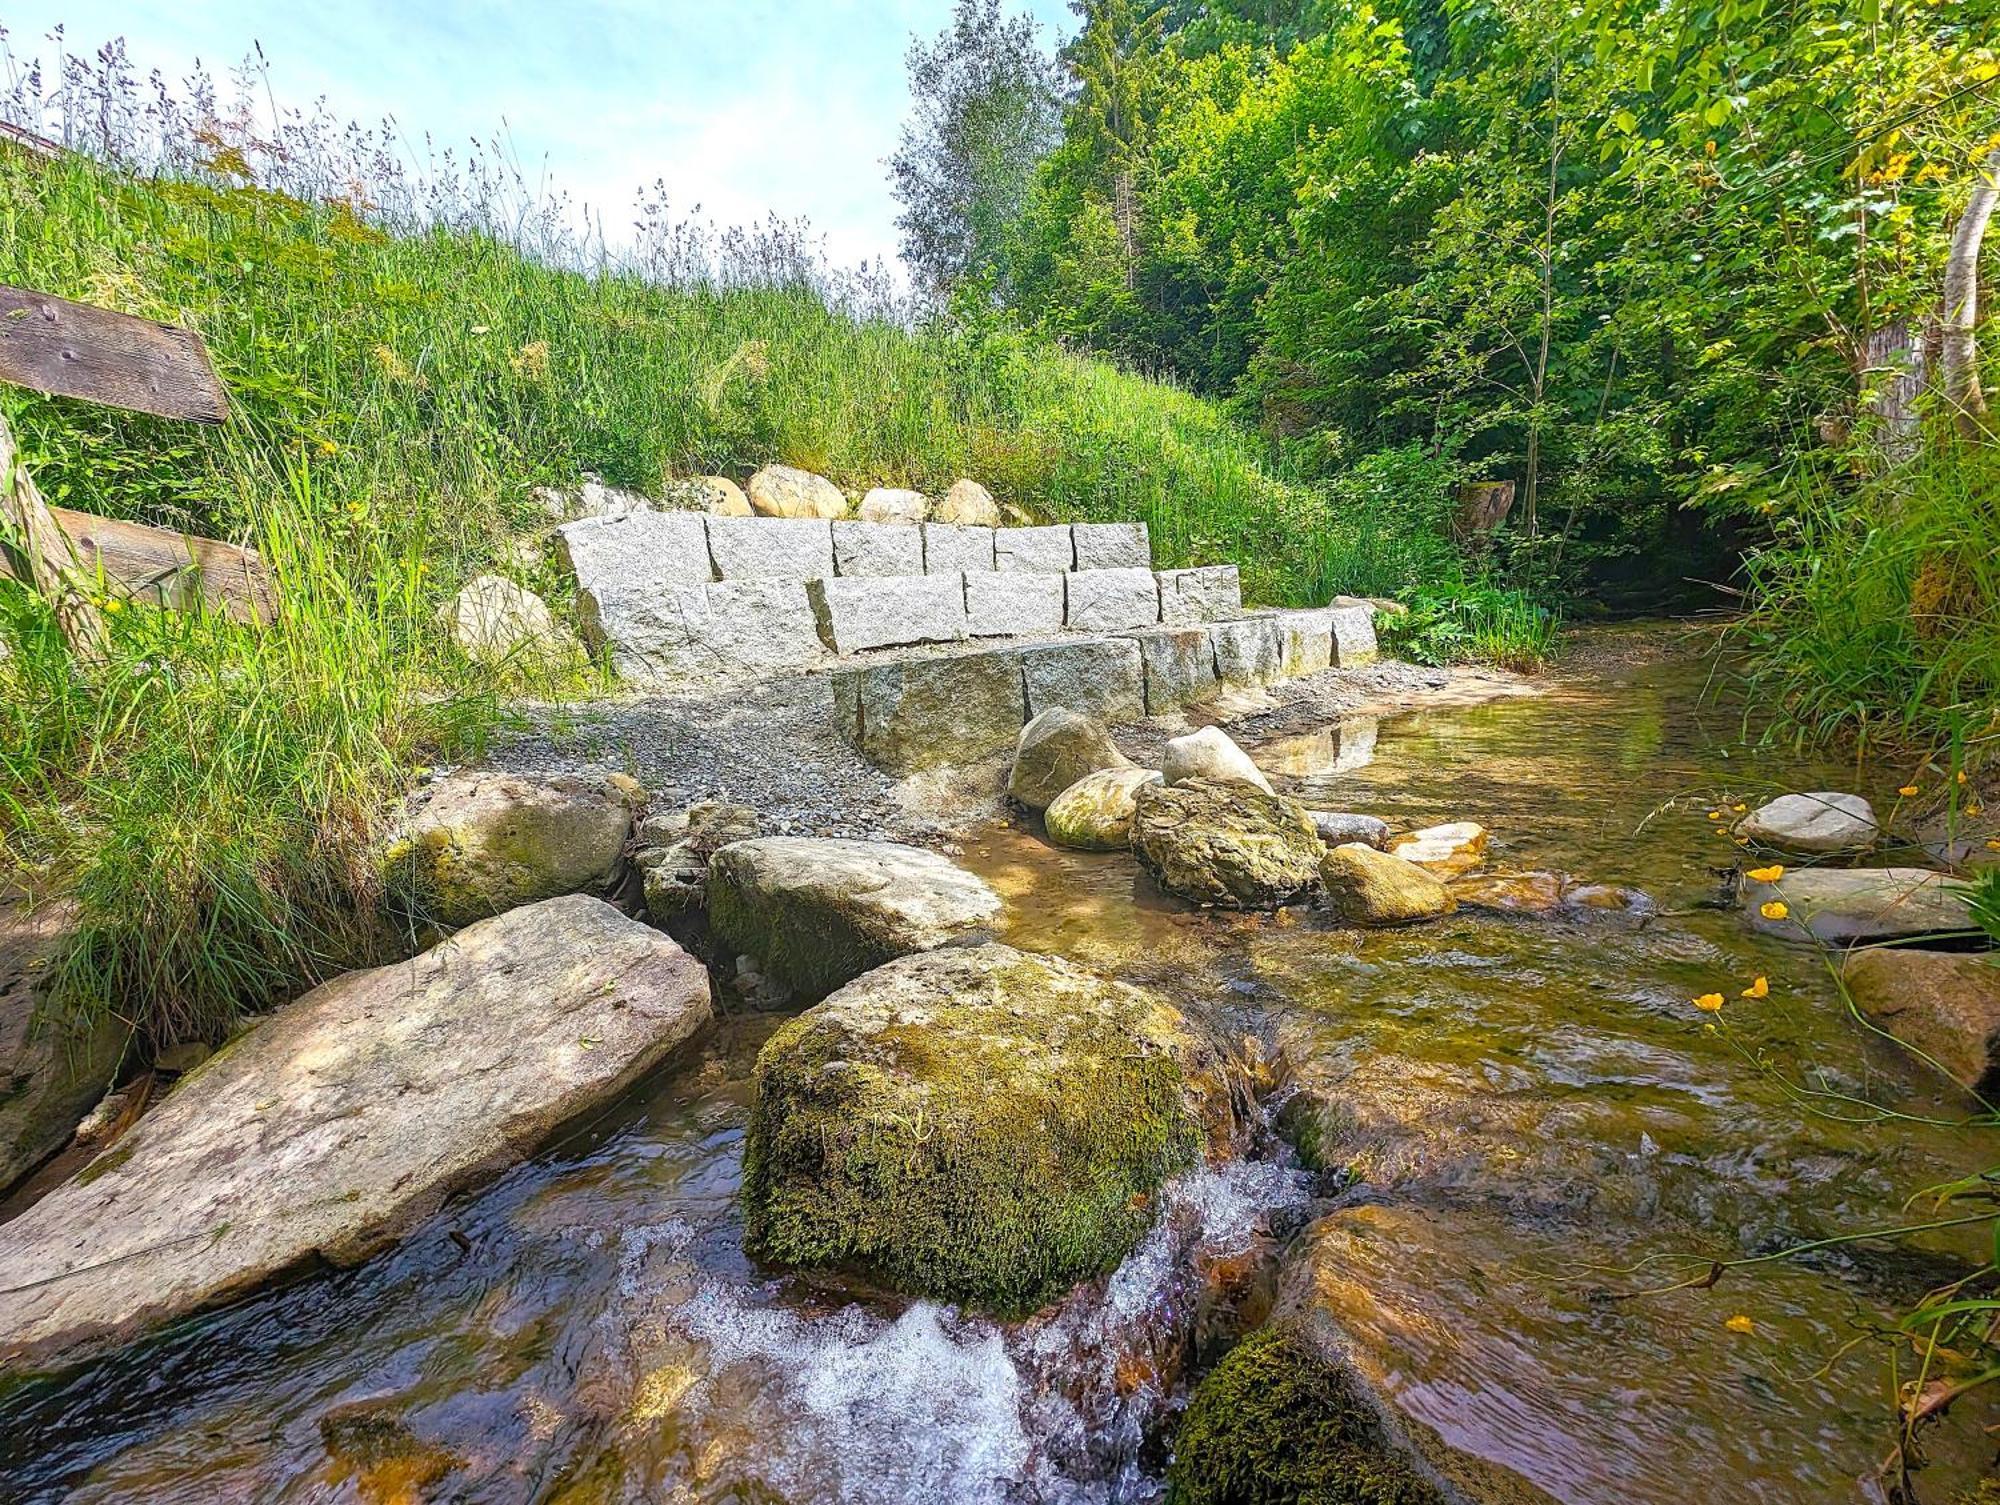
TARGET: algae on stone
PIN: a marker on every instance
(1226, 842)
(978, 1125)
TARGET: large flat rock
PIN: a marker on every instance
(1305, 641)
(1205, 593)
(1248, 653)
(1179, 667)
(737, 627)
(631, 573)
(888, 610)
(1840, 906)
(346, 1118)
(1354, 636)
(1098, 676)
(931, 713)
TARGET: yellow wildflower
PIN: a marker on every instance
(1715, 815)
(1761, 988)
(1774, 909)
(113, 604)
(1709, 1003)
(1739, 809)
(1973, 807)
(1740, 1324)
(1769, 874)
(1907, 790)
(1961, 775)
(531, 360)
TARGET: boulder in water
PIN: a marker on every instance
(977, 1125)
(1945, 1004)
(818, 912)
(1519, 893)
(1449, 851)
(1337, 827)
(1056, 749)
(783, 491)
(1095, 813)
(1841, 906)
(1210, 754)
(967, 505)
(345, 1119)
(1225, 842)
(1367, 887)
(1820, 822)
(674, 851)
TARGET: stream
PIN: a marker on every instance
(1531, 1104)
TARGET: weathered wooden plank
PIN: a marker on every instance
(70, 349)
(47, 558)
(170, 569)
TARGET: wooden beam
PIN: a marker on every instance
(170, 569)
(70, 349)
(48, 558)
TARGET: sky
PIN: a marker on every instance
(744, 107)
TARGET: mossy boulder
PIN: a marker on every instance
(818, 912)
(478, 844)
(977, 1125)
(1095, 813)
(1056, 749)
(1226, 842)
(1367, 887)
(673, 850)
(1280, 1421)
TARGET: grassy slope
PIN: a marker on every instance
(211, 794)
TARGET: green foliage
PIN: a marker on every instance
(1456, 622)
(1277, 1423)
(1982, 898)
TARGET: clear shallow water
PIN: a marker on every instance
(1534, 1107)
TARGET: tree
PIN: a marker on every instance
(1961, 303)
(987, 106)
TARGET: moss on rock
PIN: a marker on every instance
(1279, 1423)
(977, 1125)
(1225, 842)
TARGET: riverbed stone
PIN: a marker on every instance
(1367, 887)
(967, 504)
(771, 548)
(977, 1125)
(1842, 906)
(1225, 843)
(1107, 600)
(1537, 893)
(53, 1068)
(345, 1119)
(478, 843)
(1945, 1004)
(1450, 850)
(1822, 822)
(1178, 666)
(1608, 900)
(1247, 653)
(1034, 549)
(1095, 813)
(931, 713)
(1100, 677)
(1209, 753)
(1305, 641)
(1056, 749)
(785, 491)
(1354, 641)
(874, 548)
(888, 610)
(496, 621)
(957, 551)
(1337, 827)
(1111, 546)
(888, 504)
(1013, 605)
(1204, 593)
(819, 911)
(673, 848)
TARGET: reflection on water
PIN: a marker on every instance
(1531, 1105)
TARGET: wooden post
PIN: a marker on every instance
(50, 557)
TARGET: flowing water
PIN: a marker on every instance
(1529, 1108)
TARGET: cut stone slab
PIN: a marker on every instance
(1841, 906)
(1225, 843)
(782, 491)
(1367, 887)
(1305, 641)
(347, 1118)
(887, 504)
(957, 551)
(1111, 546)
(771, 548)
(1206, 593)
(629, 574)
(977, 1125)
(887, 611)
(1178, 664)
(818, 912)
(1034, 549)
(1099, 677)
(1056, 749)
(746, 626)
(1013, 605)
(1095, 813)
(477, 843)
(931, 713)
(1247, 653)
(1821, 822)
(1354, 637)
(1945, 1004)
(968, 503)
(1106, 600)
(52, 1072)
(1209, 753)
(874, 548)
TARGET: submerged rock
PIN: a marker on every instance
(1448, 851)
(1945, 1004)
(818, 912)
(1525, 893)
(674, 852)
(977, 1125)
(1337, 827)
(1095, 813)
(1225, 842)
(1367, 887)
(1609, 899)
(1819, 822)
(968, 505)
(477, 843)
(1056, 749)
(345, 1119)
(1843, 905)
(1209, 754)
